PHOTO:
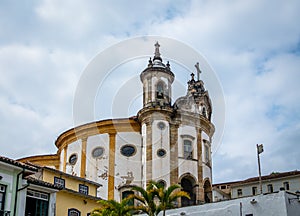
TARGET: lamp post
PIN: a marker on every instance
(260, 149)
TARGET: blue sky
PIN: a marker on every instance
(253, 47)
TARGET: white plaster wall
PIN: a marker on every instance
(187, 130)
(74, 147)
(143, 147)
(62, 159)
(206, 172)
(96, 167)
(153, 80)
(127, 168)
(21, 202)
(294, 183)
(7, 179)
(187, 166)
(293, 205)
(218, 196)
(271, 204)
(161, 139)
(52, 204)
(205, 136)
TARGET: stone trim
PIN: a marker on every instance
(83, 157)
(111, 166)
(148, 150)
(173, 153)
(200, 194)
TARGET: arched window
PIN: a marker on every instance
(73, 212)
(188, 149)
(187, 185)
(126, 194)
(160, 90)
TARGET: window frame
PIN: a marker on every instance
(71, 162)
(75, 211)
(84, 189)
(97, 148)
(160, 92)
(2, 203)
(188, 155)
(254, 190)
(60, 179)
(286, 185)
(128, 145)
(125, 194)
(240, 192)
(270, 188)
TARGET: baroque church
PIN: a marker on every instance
(169, 142)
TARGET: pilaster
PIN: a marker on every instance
(148, 150)
(83, 158)
(200, 191)
(65, 158)
(111, 166)
(174, 153)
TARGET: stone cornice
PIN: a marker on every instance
(110, 126)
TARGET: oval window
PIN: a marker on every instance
(161, 125)
(161, 152)
(128, 150)
(98, 152)
(73, 159)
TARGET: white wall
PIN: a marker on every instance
(270, 204)
(74, 147)
(127, 168)
(96, 167)
(161, 139)
(294, 183)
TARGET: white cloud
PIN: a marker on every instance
(248, 43)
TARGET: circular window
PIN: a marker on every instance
(73, 159)
(161, 125)
(98, 152)
(128, 150)
(161, 152)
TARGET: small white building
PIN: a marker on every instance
(288, 181)
(278, 204)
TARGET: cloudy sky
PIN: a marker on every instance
(252, 46)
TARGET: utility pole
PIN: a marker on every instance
(260, 149)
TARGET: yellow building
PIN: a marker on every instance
(78, 196)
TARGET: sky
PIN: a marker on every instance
(253, 48)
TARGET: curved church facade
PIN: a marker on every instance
(166, 142)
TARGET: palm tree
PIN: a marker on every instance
(147, 199)
(168, 196)
(156, 198)
(113, 208)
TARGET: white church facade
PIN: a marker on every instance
(167, 142)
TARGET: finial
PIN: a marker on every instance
(192, 75)
(150, 62)
(168, 65)
(157, 54)
(198, 70)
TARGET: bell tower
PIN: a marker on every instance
(155, 119)
(157, 79)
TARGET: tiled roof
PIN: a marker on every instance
(18, 164)
(42, 183)
(274, 175)
(81, 194)
(66, 174)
